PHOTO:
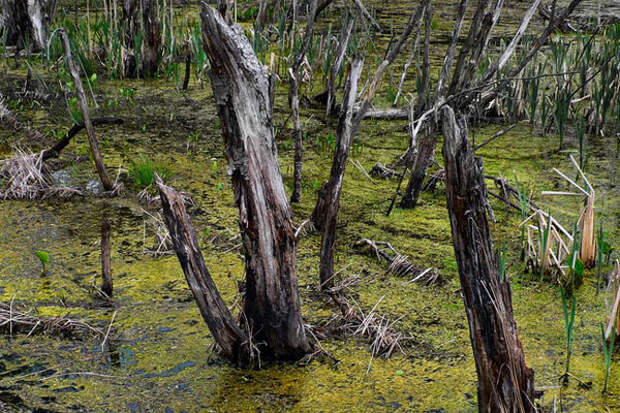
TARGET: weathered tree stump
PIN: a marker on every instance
(505, 382)
(241, 89)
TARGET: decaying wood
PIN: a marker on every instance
(106, 259)
(55, 150)
(366, 14)
(151, 47)
(399, 263)
(271, 304)
(83, 104)
(326, 210)
(548, 13)
(505, 383)
(381, 171)
(26, 22)
(232, 340)
(295, 75)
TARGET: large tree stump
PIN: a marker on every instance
(505, 383)
(241, 89)
(26, 22)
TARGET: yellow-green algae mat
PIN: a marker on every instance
(162, 358)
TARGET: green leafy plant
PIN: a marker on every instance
(143, 171)
(44, 258)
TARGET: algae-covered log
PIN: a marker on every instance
(240, 86)
(505, 382)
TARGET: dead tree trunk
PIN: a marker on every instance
(240, 86)
(345, 36)
(295, 81)
(328, 202)
(325, 212)
(83, 103)
(232, 340)
(130, 22)
(106, 259)
(423, 155)
(151, 48)
(26, 22)
(505, 383)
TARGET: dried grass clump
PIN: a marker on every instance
(548, 243)
(23, 177)
(14, 320)
(163, 241)
(587, 252)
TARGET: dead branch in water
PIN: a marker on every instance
(16, 320)
(399, 263)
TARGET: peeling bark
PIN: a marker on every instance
(26, 22)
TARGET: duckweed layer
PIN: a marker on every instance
(160, 354)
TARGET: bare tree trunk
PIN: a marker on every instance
(262, 14)
(425, 153)
(295, 81)
(325, 212)
(240, 85)
(232, 340)
(106, 260)
(81, 96)
(328, 202)
(345, 36)
(423, 156)
(151, 47)
(225, 9)
(130, 22)
(505, 383)
(26, 22)
(425, 83)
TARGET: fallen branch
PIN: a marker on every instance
(399, 263)
(55, 150)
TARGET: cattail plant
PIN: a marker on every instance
(586, 219)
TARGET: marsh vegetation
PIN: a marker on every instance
(319, 205)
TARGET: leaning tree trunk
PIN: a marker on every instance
(325, 213)
(232, 340)
(505, 383)
(240, 86)
(26, 22)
